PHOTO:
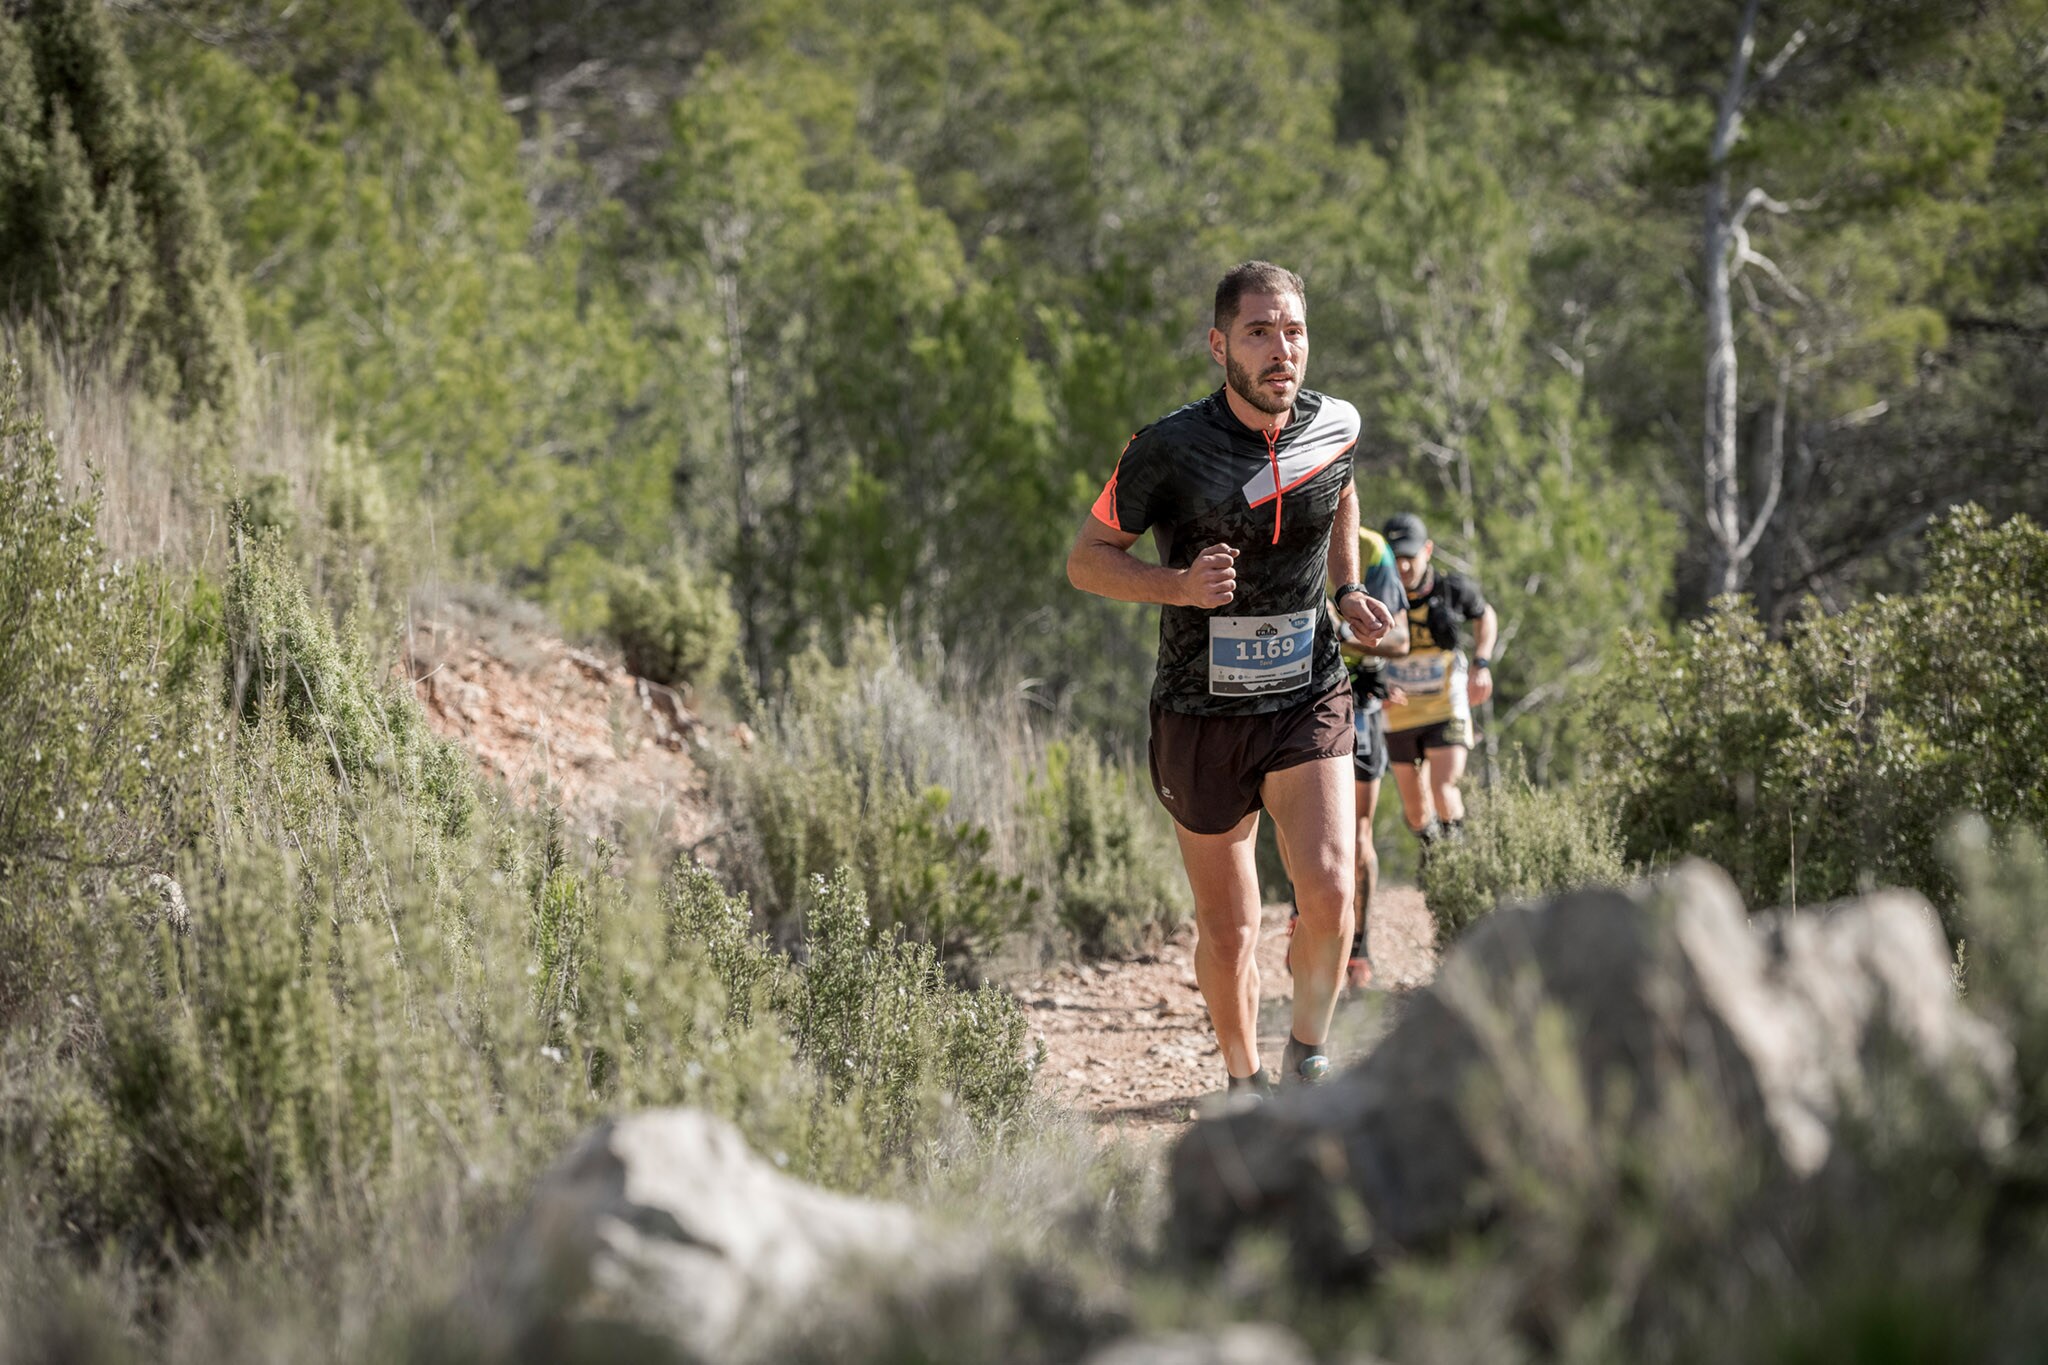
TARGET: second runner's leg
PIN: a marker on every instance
(1358, 972)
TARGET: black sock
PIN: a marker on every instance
(1430, 832)
(1254, 1081)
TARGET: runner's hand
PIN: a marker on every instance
(1480, 686)
(1395, 697)
(1369, 618)
(1211, 581)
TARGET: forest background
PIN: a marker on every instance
(848, 309)
(782, 346)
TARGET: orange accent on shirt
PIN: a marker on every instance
(1104, 509)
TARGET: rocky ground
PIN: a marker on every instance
(541, 716)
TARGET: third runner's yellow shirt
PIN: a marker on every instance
(1432, 672)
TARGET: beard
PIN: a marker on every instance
(1245, 385)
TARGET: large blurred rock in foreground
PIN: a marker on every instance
(663, 1236)
(1599, 1027)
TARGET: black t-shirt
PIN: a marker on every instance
(1199, 477)
(1433, 616)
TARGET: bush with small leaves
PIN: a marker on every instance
(675, 627)
(1519, 842)
(1110, 858)
(1832, 760)
(963, 824)
(285, 654)
(95, 758)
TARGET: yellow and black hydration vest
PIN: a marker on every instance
(1432, 674)
(1382, 578)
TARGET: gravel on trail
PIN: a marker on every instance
(1128, 1042)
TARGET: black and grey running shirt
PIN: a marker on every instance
(1199, 477)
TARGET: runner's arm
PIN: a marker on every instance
(1368, 617)
(1486, 634)
(1101, 562)
(1479, 688)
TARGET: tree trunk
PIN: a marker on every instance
(1717, 455)
(724, 238)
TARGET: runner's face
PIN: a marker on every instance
(1265, 353)
(1415, 568)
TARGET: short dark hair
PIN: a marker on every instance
(1254, 277)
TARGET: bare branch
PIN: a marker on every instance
(1776, 65)
(1777, 463)
(1861, 416)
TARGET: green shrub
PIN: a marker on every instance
(675, 627)
(864, 767)
(1519, 842)
(106, 224)
(1109, 858)
(876, 1018)
(286, 655)
(1832, 760)
(93, 767)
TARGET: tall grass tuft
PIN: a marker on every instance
(959, 820)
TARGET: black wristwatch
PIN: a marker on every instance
(1337, 597)
(1481, 662)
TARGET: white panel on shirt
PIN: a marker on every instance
(1332, 431)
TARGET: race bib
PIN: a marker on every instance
(1253, 654)
(1425, 674)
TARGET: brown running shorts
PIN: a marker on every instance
(1207, 770)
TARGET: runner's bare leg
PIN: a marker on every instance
(1357, 974)
(1314, 814)
(1224, 877)
(1446, 768)
(1415, 807)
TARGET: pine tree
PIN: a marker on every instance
(107, 235)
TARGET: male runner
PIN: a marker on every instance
(1431, 691)
(1248, 495)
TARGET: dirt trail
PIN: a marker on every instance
(1128, 1042)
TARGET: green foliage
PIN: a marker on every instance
(286, 656)
(367, 983)
(107, 228)
(93, 769)
(1834, 759)
(675, 628)
(1520, 842)
(960, 825)
(873, 1013)
(862, 767)
(1113, 883)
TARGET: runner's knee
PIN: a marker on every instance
(1233, 943)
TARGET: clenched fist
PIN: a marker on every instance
(1369, 618)
(1211, 581)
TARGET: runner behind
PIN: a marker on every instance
(1367, 666)
(1431, 691)
(1249, 499)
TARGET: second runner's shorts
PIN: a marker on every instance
(1369, 760)
(1207, 770)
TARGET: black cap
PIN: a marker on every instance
(1406, 535)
